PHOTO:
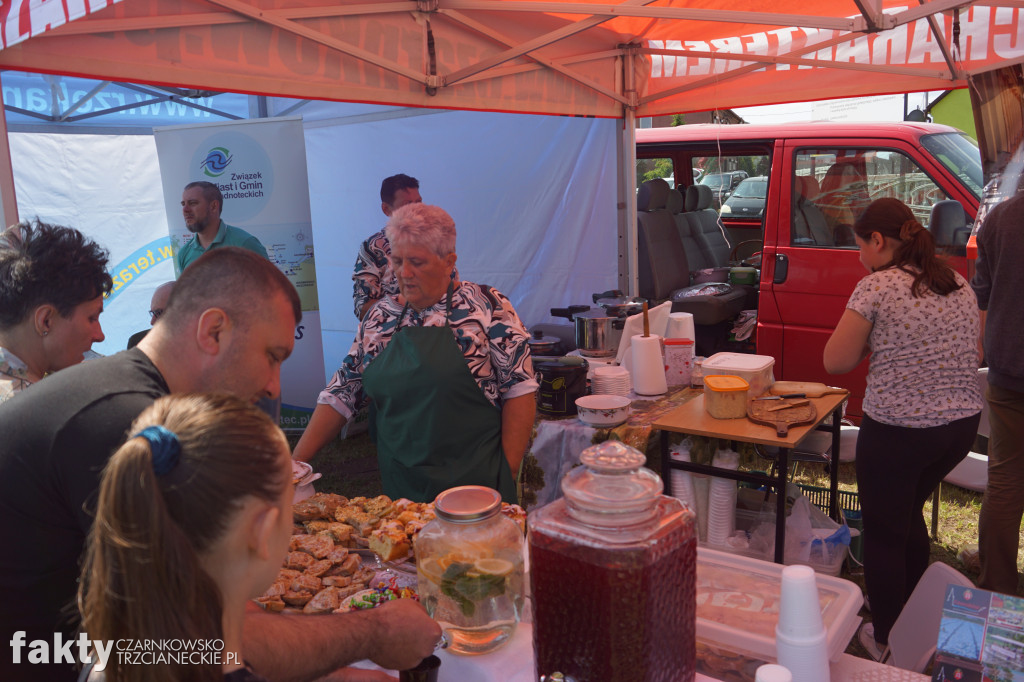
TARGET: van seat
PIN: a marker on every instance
(663, 266)
(810, 227)
(705, 226)
(684, 227)
(662, 262)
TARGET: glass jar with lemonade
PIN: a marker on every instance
(469, 562)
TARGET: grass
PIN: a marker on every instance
(349, 467)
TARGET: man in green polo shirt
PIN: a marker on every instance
(201, 204)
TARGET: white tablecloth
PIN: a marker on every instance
(514, 663)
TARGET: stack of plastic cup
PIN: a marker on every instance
(772, 673)
(722, 500)
(801, 640)
(682, 481)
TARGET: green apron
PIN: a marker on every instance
(433, 426)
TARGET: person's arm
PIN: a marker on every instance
(296, 648)
(357, 675)
(848, 345)
(982, 314)
(517, 415)
(324, 426)
(371, 262)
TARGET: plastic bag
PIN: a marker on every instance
(811, 536)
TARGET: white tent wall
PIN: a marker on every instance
(533, 197)
(108, 186)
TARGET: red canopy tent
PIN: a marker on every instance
(565, 57)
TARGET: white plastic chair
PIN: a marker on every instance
(972, 472)
(913, 637)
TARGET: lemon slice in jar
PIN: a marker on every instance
(493, 566)
(432, 570)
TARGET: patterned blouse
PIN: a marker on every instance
(373, 277)
(486, 328)
(13, 375)
(924, 356)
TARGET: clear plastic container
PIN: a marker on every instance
(612, 574)
(738, 604)
(756, 370)
(725, 396)
(469, 563)
(697, 372)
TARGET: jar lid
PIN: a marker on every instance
(678, 342)
(467, 503)
(725, 383)
(612, 488)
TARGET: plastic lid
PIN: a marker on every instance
(612, 488)
(467, 504)
(678, 342)
(725, 383)
(739, 361)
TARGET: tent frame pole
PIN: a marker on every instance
(630, 276)
(8, 200)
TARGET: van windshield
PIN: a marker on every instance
(960, 155)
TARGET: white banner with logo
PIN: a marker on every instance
(260, 168)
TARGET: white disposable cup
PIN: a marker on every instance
(806, 658)
(680, 326)
(799, 609)
(773, 673)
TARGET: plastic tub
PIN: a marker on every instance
(725, 396)
(755, 369)
(738, 602)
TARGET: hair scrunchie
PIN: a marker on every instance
(910, 229)
(165, 446)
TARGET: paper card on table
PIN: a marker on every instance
(981, 637)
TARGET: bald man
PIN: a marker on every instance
(161, 296)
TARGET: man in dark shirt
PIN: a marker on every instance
(228, 327)
(998, 279)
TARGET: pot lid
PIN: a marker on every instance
(594, 314)
(539, 339)
(623, 302)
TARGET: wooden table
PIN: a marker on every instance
(691, 418)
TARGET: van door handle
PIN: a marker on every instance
(781, 268)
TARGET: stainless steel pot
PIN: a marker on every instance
(597, 333)
(541, 345)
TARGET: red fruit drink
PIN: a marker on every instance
(613, 576)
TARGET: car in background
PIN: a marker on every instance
(723, 184)
(748, 199)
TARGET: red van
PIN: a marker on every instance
(819, 176)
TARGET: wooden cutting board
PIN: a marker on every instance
(811, 389)
(768, 412)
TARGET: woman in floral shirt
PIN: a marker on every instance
(446, 366)
(919, 321)
(52, 282)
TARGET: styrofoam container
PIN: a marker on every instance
(755, 369)
(738, 604)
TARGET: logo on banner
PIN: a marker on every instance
(216, 162)
(240, 166)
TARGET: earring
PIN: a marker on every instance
(45, 333)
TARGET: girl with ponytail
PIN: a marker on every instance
(919, 321)
(193, 520)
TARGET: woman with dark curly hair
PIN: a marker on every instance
(52, 282)
(919, 320)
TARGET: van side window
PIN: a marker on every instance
(649, 169)
(831, 187)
